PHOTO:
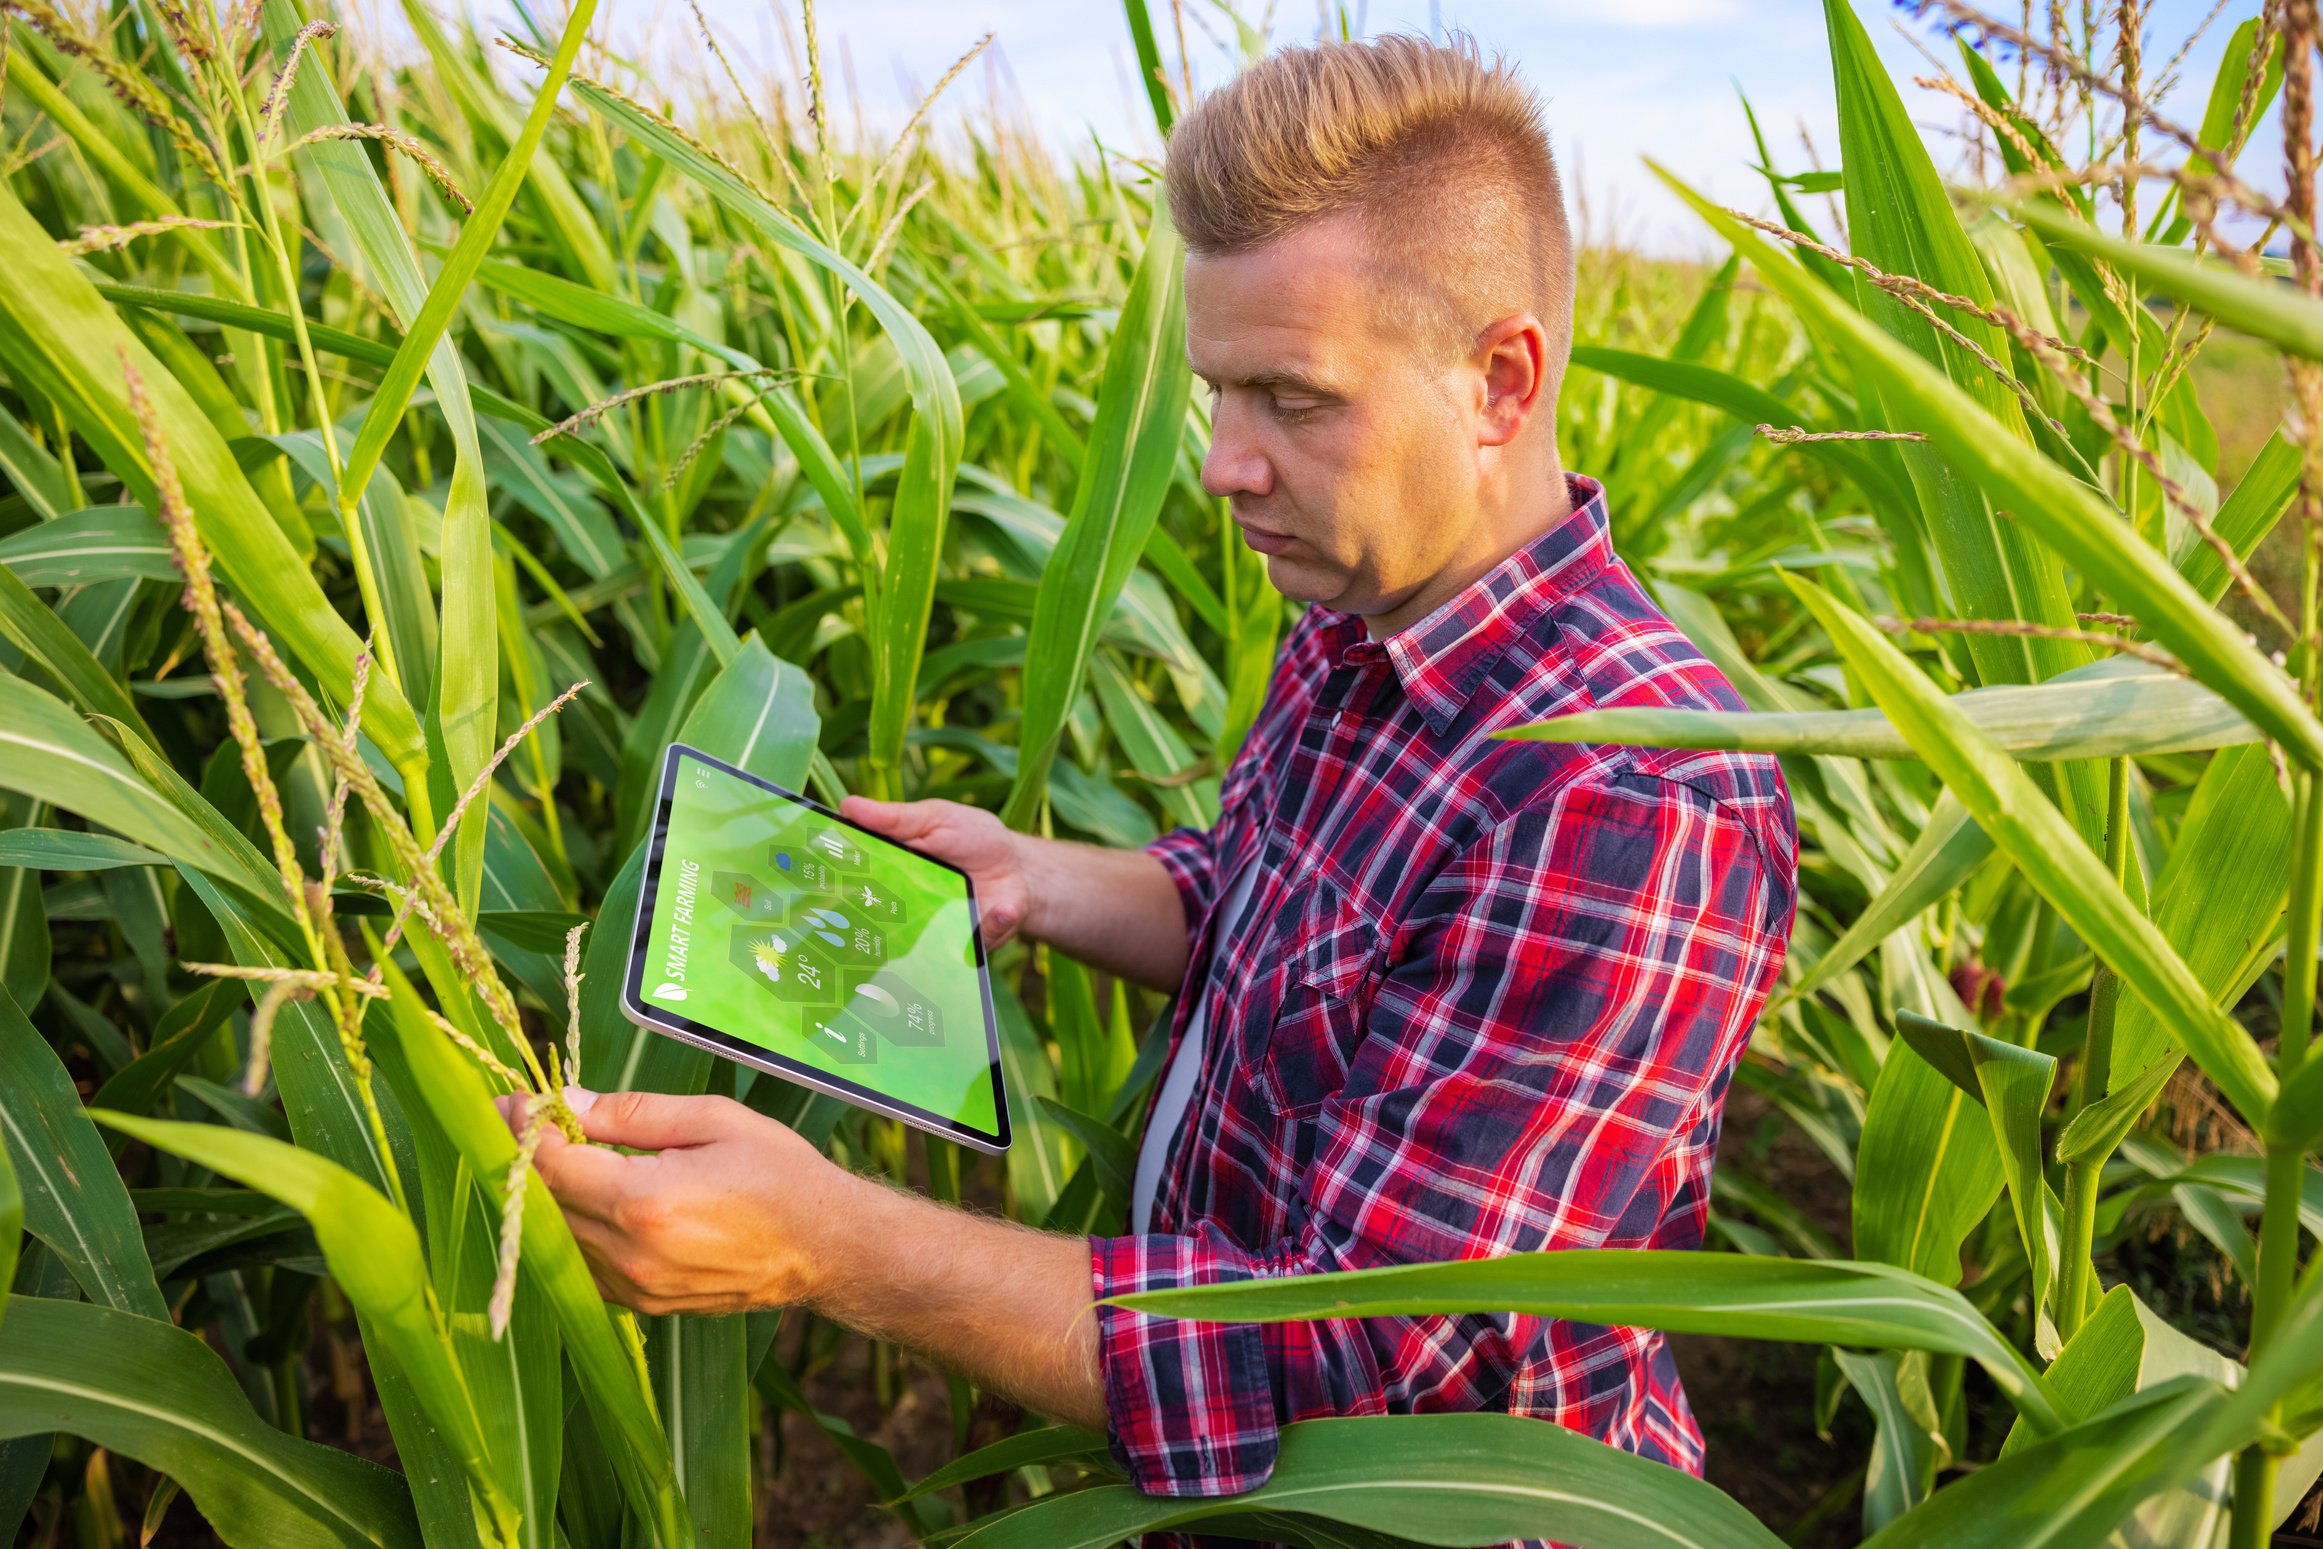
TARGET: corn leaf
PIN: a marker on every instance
(59, 336)
(906, 586)
(1437, 1479)
(2051, 855)
(1899, 218)
(375, 1257)
(609, 1368)
(2110, 709)
(1141, 408)
(154, 1392)
(1823, 1302)
(2275, 313)
(72, 1199)
(2059, 507)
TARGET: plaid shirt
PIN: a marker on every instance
(1485, 999)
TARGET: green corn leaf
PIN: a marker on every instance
(391, 547)
(1149, 63)
(1434, 1479)
(468, 683)
(2249, 514)
(73, 1200)
(2097, 1129)
(702, 1377)
(320, 1094)
(33, 471)
(608, 1366)
(1041, 1444)
(27, 952)
(49, 753)
(49, 643)
(1946, 854)
(1899, 218)
(2110, 709)
(923, 493)
(2220, 899)
(157, 1393)
(58, 335)
(1133, 445)
(424, 330)
(2044, 497)
(11, 1221)
(577, 230)
(2012, 1085)
(2074, 1487)
(1926, 1169)
(178, 1038)
(2275, 313)
(758, 713)
(1822, 1302)
(1902, 1467)
(779, 405)
(2050, 854)
(102, 543)
(374, 1255)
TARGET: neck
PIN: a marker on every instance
(1543, 503)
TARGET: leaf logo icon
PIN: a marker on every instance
(669, 991)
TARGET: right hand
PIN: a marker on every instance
(970, 838)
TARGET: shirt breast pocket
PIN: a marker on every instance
(1326, 967)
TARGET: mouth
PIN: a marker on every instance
(1265, 542)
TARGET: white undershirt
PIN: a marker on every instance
(1177, 1088)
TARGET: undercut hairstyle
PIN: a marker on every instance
(1439, 153)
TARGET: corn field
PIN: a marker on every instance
(396, 453)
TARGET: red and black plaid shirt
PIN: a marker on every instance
(1485, 999)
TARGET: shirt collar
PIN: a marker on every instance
(1442, 658)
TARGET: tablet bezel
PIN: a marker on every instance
(685, 1029)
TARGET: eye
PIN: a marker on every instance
(1293, 411)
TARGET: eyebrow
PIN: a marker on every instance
(1277, 381)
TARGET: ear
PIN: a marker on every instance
(1512, 356)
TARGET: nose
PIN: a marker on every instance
(1235, 464)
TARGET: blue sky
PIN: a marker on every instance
(1621, 80)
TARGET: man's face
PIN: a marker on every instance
(1346, 453)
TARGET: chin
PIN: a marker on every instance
(1299, 582)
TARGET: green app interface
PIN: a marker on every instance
(783, 927)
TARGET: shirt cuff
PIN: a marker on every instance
(1185, 853)
(1189, 1407)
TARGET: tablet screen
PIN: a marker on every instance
(794, 941)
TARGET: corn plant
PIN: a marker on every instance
(397, 455)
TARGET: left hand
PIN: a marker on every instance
(725, 1215)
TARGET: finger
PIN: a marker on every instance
(652, 1121)
(589, 1181)
(896, 819)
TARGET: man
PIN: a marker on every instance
(1440, 996)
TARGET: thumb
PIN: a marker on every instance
(896, 819)
(649, 1121)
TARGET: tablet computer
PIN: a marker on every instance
(774, 932)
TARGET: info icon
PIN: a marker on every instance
(842, 1038)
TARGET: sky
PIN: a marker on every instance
(1621, 80)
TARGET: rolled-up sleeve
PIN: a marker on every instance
(1190, 856)
(1560, 1015)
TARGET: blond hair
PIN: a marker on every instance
(1440, 154)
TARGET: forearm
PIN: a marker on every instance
(1005, 1305)
(1116, 910)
